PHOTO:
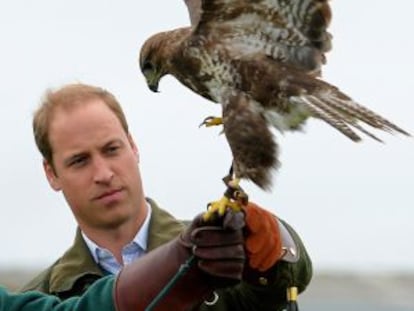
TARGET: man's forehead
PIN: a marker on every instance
(90, 127)
(92, 112)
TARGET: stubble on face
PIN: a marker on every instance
(96, 166)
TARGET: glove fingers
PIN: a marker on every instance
(232, 252)
(231, 269)
(218, 246)
(233, 220)
(216, 236)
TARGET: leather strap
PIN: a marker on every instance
(289, 247)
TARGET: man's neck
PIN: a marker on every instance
(115, 239)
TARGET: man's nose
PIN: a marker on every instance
(103, 173)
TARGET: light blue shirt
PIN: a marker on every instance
(133, 250)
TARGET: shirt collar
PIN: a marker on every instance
(141, 238)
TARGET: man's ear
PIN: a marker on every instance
(51, 176)
(133, 146)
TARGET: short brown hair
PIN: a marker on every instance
(68, 96)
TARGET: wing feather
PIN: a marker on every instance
(293, 32)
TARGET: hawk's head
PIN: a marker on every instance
(157, 53)
(152, 61)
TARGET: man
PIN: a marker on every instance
(89, 155)
(216, 265)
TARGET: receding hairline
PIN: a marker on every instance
(69, 97)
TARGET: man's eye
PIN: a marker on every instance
(112, 149)
(77, 161)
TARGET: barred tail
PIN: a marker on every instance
(345, 115)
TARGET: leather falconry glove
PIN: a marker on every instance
(219, 262)
(263, 240)
(267, 243)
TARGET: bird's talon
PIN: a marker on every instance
(241, 197)
(218, 208)
(211, 121)
(234, 183)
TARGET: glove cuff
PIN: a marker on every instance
(139, 283)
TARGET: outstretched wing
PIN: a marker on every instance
(293, 32)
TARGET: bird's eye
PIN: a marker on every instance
(147, 66)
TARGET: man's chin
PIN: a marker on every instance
(115, 222)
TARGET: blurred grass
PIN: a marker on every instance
(14, 278)
(359, 291)
(328, 290)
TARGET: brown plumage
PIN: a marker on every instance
(261, 60)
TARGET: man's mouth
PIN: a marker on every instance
(109, 196)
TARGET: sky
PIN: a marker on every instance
(352, 204)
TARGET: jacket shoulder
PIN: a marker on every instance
(40, 282)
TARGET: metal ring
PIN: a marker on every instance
(213, 301)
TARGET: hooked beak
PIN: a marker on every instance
(153, 87)
(152, 78)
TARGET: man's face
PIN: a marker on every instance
(95, 166)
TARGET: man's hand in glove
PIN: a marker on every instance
(219, 261)
(218, 247)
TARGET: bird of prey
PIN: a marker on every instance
(261, 60)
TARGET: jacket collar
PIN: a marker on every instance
(77, 262)
(163, 226)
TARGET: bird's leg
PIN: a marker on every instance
(234, 198)
(211, 121)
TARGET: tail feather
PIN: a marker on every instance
(327, 116)
(366, 115)
(344, 114)
(348, 107)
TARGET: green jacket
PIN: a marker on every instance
(98, 297)
(76, 270)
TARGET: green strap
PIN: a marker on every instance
(180, 273)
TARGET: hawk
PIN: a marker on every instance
(261, 60)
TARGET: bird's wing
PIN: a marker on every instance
(295, 95)
(293, 32)
(250, 139)
(194, 10)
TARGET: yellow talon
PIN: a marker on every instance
(234, 183)
(234, 198)
(219, 207)
(211, 121)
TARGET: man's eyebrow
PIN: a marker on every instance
(81, 154)
(113, 141)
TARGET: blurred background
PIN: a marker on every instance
(351, 203)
